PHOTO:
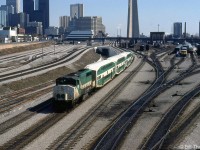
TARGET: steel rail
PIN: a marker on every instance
(114, 134)
(36, 69)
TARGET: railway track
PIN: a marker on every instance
(12, 122)
(62, 142)
(67, 140)
(42, 67)
(8, 105)
(34, 131)
(27, 136)
(162, 131)
(46, 51)
(112, 137)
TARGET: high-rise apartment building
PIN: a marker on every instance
(133, 21)
(76, 11)
(15, 4)
(178, 29)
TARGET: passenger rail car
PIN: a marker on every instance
(74, 87)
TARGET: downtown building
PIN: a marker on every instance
(177, 30)
(64, 22)
(93, 23)
(76, 11)
(15, 4)
(18, 20)
(5, 11)
(3, 18)
(133, 21)
(40, 14)
(84, 23)
(199, 29)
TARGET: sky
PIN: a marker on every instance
(151, 13)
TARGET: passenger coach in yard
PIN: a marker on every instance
(76, 86)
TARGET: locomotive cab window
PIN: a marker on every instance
(66, 81)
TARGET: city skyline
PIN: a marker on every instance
(115, 14)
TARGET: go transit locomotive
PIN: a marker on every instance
(74, 87)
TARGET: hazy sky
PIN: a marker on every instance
(151, 13)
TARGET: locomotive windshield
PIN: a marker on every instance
(66, 81)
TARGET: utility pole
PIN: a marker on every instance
(158, 27)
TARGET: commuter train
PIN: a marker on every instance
(74, 87)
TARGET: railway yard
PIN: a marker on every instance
(153, 104)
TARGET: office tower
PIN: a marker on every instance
(15, 4)
(3, 18)
(90, 23)
(44, 9)
(36, 4)
(64, 21)
(178, 29)
(20, 19)
(28, 8)
(9, 10)
(133, 21)
(76, 11)
(34, 28)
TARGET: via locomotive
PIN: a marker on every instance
(74, 87)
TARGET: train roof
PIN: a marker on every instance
(75, 75)
(125, 53)
(115, 58)
(95, 66)
(179, 46)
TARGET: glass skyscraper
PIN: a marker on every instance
(15, 4)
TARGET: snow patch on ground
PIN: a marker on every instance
(44, 60)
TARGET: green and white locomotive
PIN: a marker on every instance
(74, 87)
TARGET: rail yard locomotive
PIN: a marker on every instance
(74, 87)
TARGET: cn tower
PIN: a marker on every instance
(133, 21)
